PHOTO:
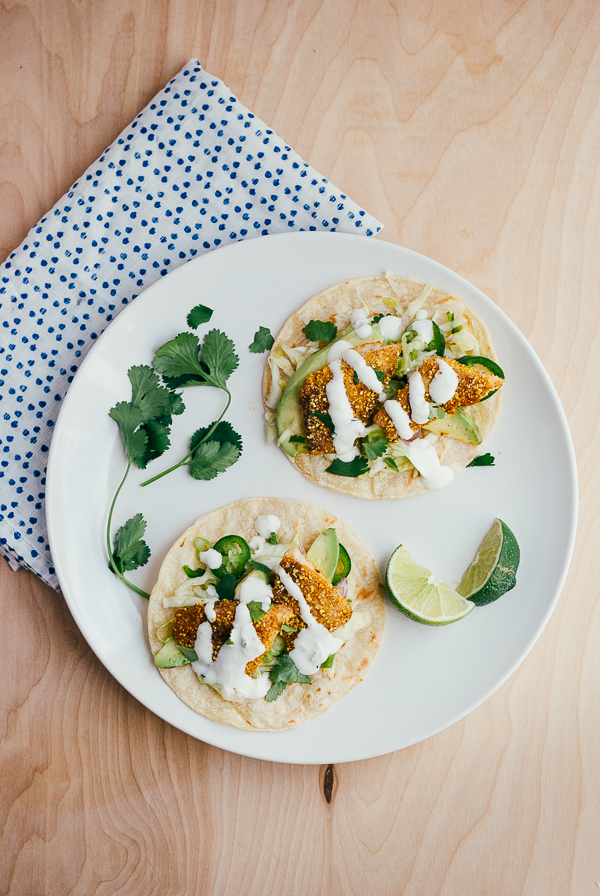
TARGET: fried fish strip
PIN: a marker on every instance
(363, 401)
(189, 619)
(326, 603)
(474, 383)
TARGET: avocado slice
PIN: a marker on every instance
(458, 425)
(169, 656)
(289, 412)
(324, 553)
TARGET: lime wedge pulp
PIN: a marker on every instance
(493, 572)
(419, 596)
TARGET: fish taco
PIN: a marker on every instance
(382, 387)
(265, 613)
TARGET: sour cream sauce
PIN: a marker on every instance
(423, 326)
(313, 644)
(228, 669)
(444, 384)
(266, 524)
(423, 457)
(361, 322)
(346, 426)
(419, 407)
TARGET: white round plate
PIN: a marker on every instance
(424, 679)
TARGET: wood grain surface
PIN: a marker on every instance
(471, 129)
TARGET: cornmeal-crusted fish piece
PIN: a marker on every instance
(326, 603)
(313, 397)
(474, 383)
(189, 619)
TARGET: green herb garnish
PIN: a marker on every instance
(256, 611)
(438, 343)
(483, 460)
(225, 587)
(272, 539)
(282, 673)
(352, 469)
(199, 315)
(324, 418)
(328, 662)
(262, 341)
(144, 424)
(320, 331)
(391, 463)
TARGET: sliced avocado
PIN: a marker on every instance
(289, 413)
(458, 425)
(324, 553)
(170, 656)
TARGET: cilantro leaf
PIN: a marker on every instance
(256, 611)
(128, 418)
(320, 331)
(223, 433)
(483, 460)
(225, 587)
(324, 418)
(199, 315)
(262, 341)
(352, 468)
(219, 357)
(391, 463)
(272, 539)
(152, 399)
(301, 440)
(129, 549)
(374, 448)
(282, 673)
(211, 458)
(180, 364)
(380, 374)
(328, 662)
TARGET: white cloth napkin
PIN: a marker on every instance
(194, 171)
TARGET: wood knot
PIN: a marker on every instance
(328, 783)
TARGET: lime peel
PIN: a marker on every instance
(493, 572)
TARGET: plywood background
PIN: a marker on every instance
(471, 130)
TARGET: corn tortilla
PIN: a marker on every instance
(299, 703)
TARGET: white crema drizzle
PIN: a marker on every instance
(444, 384)
(346, 426)
(228, 669)
(365, 374)
(423, 326)
(361, 322)
(419, 407)
(423, 457)
(399, 418)
(313, 644)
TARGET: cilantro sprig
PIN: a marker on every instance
(262, 341)
(144, 424)
(183, 362)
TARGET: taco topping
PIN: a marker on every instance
(381, 394)
(282, 605)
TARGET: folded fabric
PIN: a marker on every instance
(194, 171)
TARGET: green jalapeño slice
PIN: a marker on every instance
(235, 552)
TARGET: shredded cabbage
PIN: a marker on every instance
(414, 306)
(358, 621)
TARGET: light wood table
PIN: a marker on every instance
(471, 130)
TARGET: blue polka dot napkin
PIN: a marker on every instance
(194, 171)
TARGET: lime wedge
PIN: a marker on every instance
(414, 590)
(493, 572)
